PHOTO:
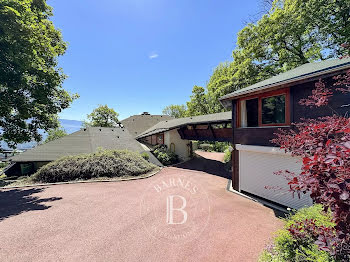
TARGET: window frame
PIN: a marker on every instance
(283, 91)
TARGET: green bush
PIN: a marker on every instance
(227, 156)
(286, 248)
(3, 164)
(195, 145)
(145, 156)
(108, 163)
(212, 146)
(220, 146)
(206, 147)
(165, 156)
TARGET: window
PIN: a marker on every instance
(268, 109)
(273, 110)
(250, 112)
(160, 139)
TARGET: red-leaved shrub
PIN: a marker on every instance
(324, 146)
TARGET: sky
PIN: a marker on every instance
(142, 55)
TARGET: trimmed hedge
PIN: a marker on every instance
(107, 163)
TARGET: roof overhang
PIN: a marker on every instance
(203, 122)
(226, 100)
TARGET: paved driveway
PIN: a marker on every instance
(126, 221)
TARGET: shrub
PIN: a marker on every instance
(145, 156)
(212, 146)
(206, 147)
(324, 146)
(227, 156)
(288, 247)
(165, 156)
(108, 163)
(220, 146)
(3, 164)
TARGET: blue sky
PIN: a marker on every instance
(142, 55)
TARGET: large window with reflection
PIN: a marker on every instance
(267, 109)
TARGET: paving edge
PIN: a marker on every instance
(229, 188)
(86, 182)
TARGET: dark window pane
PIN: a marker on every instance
(274, 110)
(252, 106)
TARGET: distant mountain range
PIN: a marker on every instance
(70, 126)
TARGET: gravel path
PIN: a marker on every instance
(112, 221)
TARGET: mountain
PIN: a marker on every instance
(70, 126)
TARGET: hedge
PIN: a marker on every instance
(107, 163)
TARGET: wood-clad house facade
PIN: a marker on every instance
(259, 111)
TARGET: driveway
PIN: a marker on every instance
(126, 221)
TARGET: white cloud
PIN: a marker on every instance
(153, 55)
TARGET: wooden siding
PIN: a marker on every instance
(262, 135)
(335, 103)
(222, 134)
(256, 135)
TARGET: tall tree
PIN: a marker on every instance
(290, 34)
(102, 116)
(177, 111)
(31, 93)
(220, 83)
(198, 103)
(55, 133)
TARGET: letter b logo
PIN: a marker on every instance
(170, 210)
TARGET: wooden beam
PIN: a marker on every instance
(181, 133)
(212, 131)
(235, 153)
(195, 130)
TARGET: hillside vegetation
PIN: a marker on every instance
(107, 163)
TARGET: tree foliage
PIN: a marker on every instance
(102, 116)
(290, 34)
(198, 103)
(176, 111)
(31, 93)
(55, 133)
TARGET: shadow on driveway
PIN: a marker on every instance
(209, 166)
(16, 201)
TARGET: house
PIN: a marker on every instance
(258, 111)
(88, 140)
(177, 134)
(85, 141)
(137, 124)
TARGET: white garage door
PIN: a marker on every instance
(257, 165)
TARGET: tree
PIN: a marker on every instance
(220, 83)
(198, 103)
(294, 32)
(324, 146)
(55, 133)
(177, 111)
(290, 34)
(31, 93)
(103, 116)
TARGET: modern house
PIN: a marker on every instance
(85, 141)
(258, 111)
(177, 134)
(137, 124)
